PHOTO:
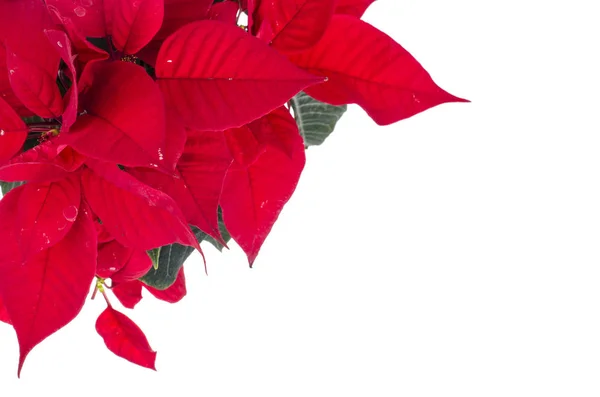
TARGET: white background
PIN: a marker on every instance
(452, 254)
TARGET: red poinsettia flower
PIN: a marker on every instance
(131, 130)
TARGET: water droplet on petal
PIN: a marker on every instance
(79, 11)
(87, 3)
(70, 213)
(2, 132)
(160, 154)
(58, 43)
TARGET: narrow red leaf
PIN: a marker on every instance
(353, 7)
(202, 168)
(129, 293)
(174, 293)
(135, 214)
(46, 214)
(135, 22)
(365, 66)
(253, 196)
(125, 339)
(116, 127)
(295, 25)
(13, 132)
(45, 293)
(254, 16)
(62, 44)
(201, 75)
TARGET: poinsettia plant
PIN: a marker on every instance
(133, 130)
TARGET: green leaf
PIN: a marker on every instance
(316, 120)
(224, 233)
(8, 186)
(167, 261)
(33, 119)
(155, 256)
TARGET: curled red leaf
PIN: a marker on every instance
(125, 339)
(174, 293)
(129, 293)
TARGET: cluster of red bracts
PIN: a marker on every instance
(149, 116)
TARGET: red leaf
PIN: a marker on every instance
(137, 265)
(121, 264)
(35, 87)
(117, 128)
(4, 314)
(295, 25)
(181, 12)
(13, 132)
(243, 145)
(176, 137)
(6, 92)
(31, 60)
(198, 185)
(254, 196)
(129, 293)
(367, 67)
(112, 257)
(87, 16)
(177, 14)
(135, 22)
(353, 7)
(103, 235)
(174, 293)
(202, 168)
(46, 214)
(277, 129)
(86, 51)
(135, 214)
(201, 73)
(254, 16)
(45, 293)
(62, 44)
(124, 338)
(225, 11)
(41, 164)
